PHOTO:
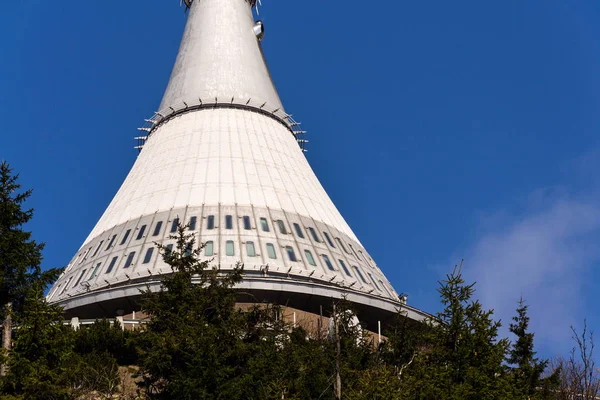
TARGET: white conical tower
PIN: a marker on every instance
(222, 155)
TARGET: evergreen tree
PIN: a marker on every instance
(41, 361)
(527, 369)
(462, 356)
(190, 348)
(102, 337)
(356, 347)
(20, 255)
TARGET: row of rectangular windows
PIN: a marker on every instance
(229, 225)
(229, 247)
(230, 251)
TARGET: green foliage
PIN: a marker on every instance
(20, 255)
(199, 345)
(40, 362)
(94, 372)
(461, 356)
(191, 344)
(37, 362)
(106, 337)
(526, 370)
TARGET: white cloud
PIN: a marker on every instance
(544, 254)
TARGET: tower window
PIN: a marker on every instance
(360, 275)
(129, 259)
(374, 282)
(174, 225)
(291, 253)
(264, 224)
(343, 264)
(328, 262)
(148, 255)
(97, 248)
(384, 288)
(363, 254)
(228, 222)
(93, 274)
(247, 225)
(309, 257)
(67, 285)
(209, 249)
(271, 251)
(169, 248)
(298, 230)
(229, 249)
(112, 241)
(342, 245)
(80, 276)
(314, 234)
(126, 236)
(141, 232)
(210, 222)
(85, 255)
(250, 249)
(281, 227)
(328, 238)
(354, 251)
(112, 264)
(157, 228)
(192, 224)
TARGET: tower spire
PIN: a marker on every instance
(220, 57)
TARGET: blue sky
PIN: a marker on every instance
(441, 130)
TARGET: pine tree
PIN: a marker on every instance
(462, 356)
(20, 255)
(527, 370)
(526, 375)
(191, 346)
(104, 337)
(41, 362)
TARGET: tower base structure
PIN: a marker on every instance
(223, 157)
(307, 297)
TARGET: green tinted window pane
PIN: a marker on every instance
(309, 257)
(209, 249)
(264, 224)
(281, 227)
(229, 249)
(250, 249)
(271, 251)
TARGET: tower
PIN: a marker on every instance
(223, 156)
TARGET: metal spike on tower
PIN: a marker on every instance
(222, 155)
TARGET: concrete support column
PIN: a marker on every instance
(75, 324)
(120, 319)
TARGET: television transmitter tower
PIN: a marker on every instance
(223, 156)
